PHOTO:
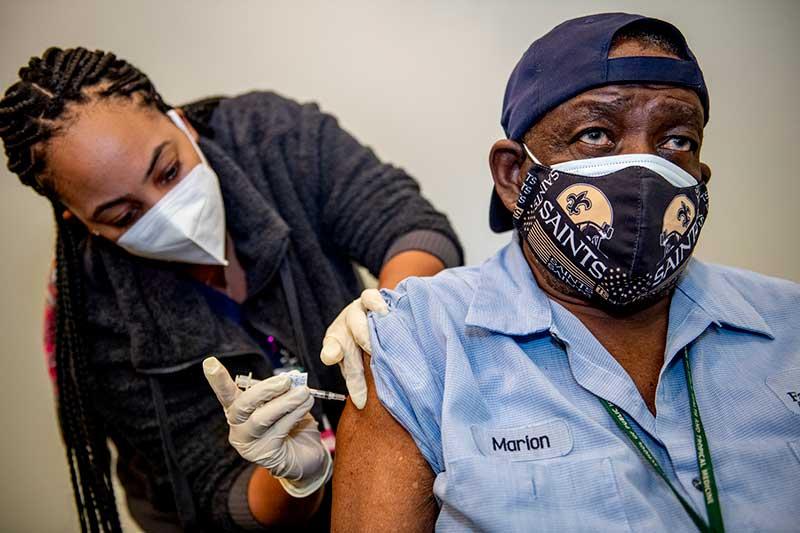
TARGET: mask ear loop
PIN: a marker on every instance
(178, 121)
(530, 155)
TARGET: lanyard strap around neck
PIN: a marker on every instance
(703, 457)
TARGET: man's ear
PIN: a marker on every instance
(505, 161)
(195, 135)
(705, 173)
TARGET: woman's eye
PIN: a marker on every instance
(679, 144)
(125, 220)
(170, 174)
(595, 136)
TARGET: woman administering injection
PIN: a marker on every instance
(225, 227)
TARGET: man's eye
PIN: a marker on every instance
(594, 136)
(679, 144)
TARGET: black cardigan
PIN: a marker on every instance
(304, 200)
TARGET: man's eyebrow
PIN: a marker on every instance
(684, 112)
(156, 152)
(597, 109)
(591, 109)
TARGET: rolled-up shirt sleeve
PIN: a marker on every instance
(407, 375)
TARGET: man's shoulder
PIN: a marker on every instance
(768, 295)
(424, 311)
(452, 288)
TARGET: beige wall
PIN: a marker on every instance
(422, 83)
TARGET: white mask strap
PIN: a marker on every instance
(178, 121)
(530, 154)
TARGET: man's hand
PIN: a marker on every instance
(348, 337)
(270, 426)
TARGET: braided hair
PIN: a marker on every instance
(33, 110)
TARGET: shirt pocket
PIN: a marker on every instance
(493, 494)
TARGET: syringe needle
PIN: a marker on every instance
(326, 395)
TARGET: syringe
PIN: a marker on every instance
(298, 379)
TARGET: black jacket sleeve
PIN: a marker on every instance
(366, 206)
(358, 206)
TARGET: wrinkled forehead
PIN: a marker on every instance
(651, 104)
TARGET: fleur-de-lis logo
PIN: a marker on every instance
(588, 208)
(678, 216)
(684, 215)
(575, 201)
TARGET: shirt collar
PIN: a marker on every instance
(720, 299)
(509, 301)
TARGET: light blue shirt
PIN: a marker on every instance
(498, 386)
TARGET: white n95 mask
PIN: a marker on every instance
(188, 224)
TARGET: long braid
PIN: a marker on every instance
(31, 112)
(68, 403)
(98, 497)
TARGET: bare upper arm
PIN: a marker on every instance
(381, 481)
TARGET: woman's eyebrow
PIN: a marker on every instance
(122, 199)
(154, 159)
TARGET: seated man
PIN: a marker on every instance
(585, 376)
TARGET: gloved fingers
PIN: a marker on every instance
(307, 424)
(278, 417)
(356, 319)
(353, 371)
(350, 365)
(263, 392)
(220, 381)
(296, 453)
(343, 337)
(332, 352)
(286, 424)
(372, 300)
(356, 316)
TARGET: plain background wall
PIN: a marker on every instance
(422, 84)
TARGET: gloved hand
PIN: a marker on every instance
(270, 426)
(345, 339)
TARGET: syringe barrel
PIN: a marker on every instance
(245, 382)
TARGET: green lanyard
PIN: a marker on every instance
(703, 458)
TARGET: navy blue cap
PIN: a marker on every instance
(573, 58)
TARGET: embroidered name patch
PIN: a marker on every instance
(538, 441)
(786, 386)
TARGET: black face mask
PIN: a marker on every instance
(620, 239)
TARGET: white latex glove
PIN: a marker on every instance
(270, 426)
(345, 339)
